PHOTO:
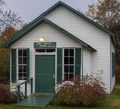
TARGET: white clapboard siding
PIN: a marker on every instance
(112, 78)
(87, 61)
(50, 34)
(90, 34)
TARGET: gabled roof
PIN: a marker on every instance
(113, 36)
(28, 29)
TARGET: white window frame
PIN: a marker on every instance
(20, 64)
(46, 53)
(69, 64)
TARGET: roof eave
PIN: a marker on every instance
(70, 8)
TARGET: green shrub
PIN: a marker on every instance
(87, 91)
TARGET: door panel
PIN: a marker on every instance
(44, 71)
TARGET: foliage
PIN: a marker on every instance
(107, 14)
(109, 104)
(87, 91)
(7, 33)
(7, 97)
(4, 54)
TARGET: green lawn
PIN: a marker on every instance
(112, 102)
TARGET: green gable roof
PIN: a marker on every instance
(21, 34)
(113, 36)
(30, 26)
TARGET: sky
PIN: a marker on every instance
(30, 9)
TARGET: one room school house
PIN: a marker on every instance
(60, 44)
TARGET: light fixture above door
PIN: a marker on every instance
(41, 39)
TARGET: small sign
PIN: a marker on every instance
(44, 44)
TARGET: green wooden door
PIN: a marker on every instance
(44, 73)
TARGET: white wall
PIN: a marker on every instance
(98, 39)
(90, 34)
(50, 34)
(87, 61)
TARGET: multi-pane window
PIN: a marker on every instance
(45, 50)
(22, 64)
(68, 64)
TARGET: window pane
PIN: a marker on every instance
(71, 52)
(20, 60)
(25, 60)
(19, 52)
(71, 60)
(24, 68)
(66, 77)
(71, 69)
(24, 52)
(71, 76)
(50, 50)
(20, 68)
(66, 60)
(24, 76)
(66, 52)
(65, 69)
(40, 50)
(20, 76)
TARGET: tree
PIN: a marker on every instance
(9, 22)
(4, 53)
(2, 2)
(107, 14)
(7, 33)
(9, 18)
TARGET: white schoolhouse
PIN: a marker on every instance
(58, 45)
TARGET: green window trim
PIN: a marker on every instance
(113, 64)
(59, 64)
(13, 65)
(28, 63)
(77, 62)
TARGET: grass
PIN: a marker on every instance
(112, 102)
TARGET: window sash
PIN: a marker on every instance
(22, 72)
(68, 64)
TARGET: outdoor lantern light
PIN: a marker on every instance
(42, 39)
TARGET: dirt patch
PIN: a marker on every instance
(116, 103)
(117, 86)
